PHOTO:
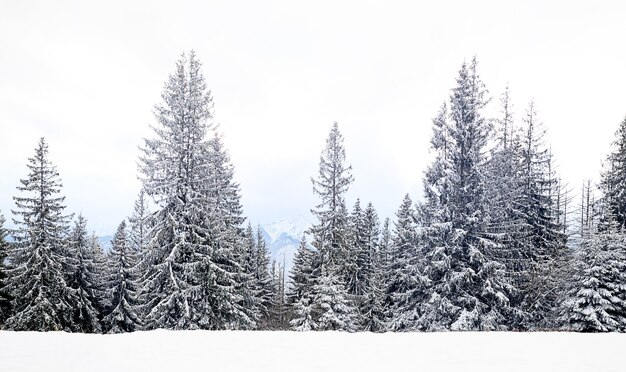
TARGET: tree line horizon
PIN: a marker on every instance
(489, 248)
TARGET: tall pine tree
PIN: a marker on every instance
(300, 294)
(84, 280)
(41, 298)
(331, 237)
(140, 223)
(5, 298)
(124, 313)
(467, 290)
(331, 233)
(596, 298)
(542, 241)
(613, 182)
(406, 286)
(193, 278)
(262, 278)
(371, 306)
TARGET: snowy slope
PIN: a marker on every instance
(308, 351)
(283, 238)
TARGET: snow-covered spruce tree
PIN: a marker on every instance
(542, 241)
(35, 280)
(223, 191)
(99, 282)
(467, 290)
(371, 307)
(262, 277)
(191, 275)
(300, 293)
(302, 315)
(437, 178)
(506, 222)
(590, 212)
(406, 289)
(502, 190)
(84, 280)
(123, 314)
(249, 288)
(437, 312)
(225, 217)
(331, 235)
(140, 223)
(332, 309)
(174, 173)
(613, 182)
(384, 245)
(596, 299)
(356, 254)
(279, 310)
(5, 299)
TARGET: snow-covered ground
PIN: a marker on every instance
(320, 352)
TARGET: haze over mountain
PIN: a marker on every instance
(283, 237)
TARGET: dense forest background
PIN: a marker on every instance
(497, 242)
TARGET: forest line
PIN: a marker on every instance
(489, 247)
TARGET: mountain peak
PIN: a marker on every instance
(294, 226)
(284, 236)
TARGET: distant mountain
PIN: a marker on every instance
(105, 242)
(283, 238)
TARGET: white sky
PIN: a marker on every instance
(86, 76)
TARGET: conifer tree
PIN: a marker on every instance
(301, 275)
(437, 180)
(174, 173)
(542, 241)
(279, 308)
(371, 306)
(249, 287)
(596, 299)
(99, 283)
(83, 280)
(140, 223)
(225, 219)
(262, 275)
(35, 280)
(330, 234)
(223, 191)
(5, 299)
(300, 294)
(406, 287)
(384, 244)
(466, 290)
(356, 254)
(332, 309)
(192, 274)
(506, 223)
(302, 317)
(613, 181)
(123, 314)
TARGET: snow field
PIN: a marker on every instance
(310, 351)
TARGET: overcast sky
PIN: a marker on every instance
(87, 76)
